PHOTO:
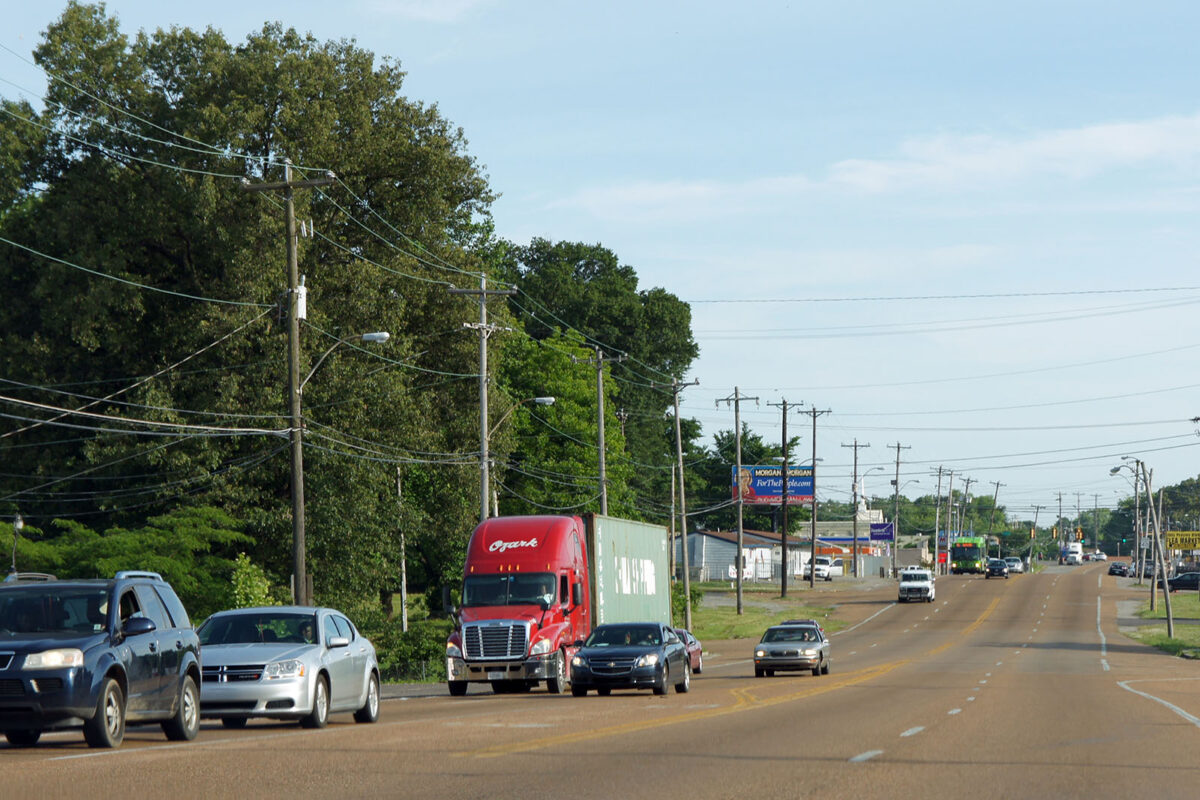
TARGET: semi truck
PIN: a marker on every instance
(533, 586)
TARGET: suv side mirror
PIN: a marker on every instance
(136, 626)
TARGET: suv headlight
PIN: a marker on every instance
(760, 653)
(648, 660)
(54, 659)
(452, 650)
(540, 647)
(292, 668)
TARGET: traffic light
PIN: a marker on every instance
(1054, 532)
(1079, 534)
(1031, 534)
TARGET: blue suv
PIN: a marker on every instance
(96, 654)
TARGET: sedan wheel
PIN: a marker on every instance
(319, 716)
(699, 664)
(684, 685)
(661, 686)
(370, 710)
(25, 738)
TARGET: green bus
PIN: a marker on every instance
(968, 554)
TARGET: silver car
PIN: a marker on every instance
(1015, 565)
(286, 662)
(792, 647)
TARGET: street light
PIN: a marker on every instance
(18, 524)
(486, 456)
(1139, 555)
(296, 435)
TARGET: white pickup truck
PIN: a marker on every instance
(916, 584)
(828, 568)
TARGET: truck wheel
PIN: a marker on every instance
(685, 684)
(558, 684)
(661, 686)
(457, 688)
(106, 728)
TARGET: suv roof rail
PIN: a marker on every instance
(14, 577)
(134, 573)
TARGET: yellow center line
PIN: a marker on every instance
(743, 699)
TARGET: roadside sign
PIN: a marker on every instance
(764, 485)
(881, 532)
(1183, 540)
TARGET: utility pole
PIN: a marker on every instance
(937, 518)
(992, 517)
(403, 560)
(812, 553)
(676, 388)
(599, 362)
(951, 531)
(783, 509)
(485, 330)
(896, 513)
(1033, 535)
(854, 493)
(1061, 532)
(737, 399)
(966, 503)
(1096, 522)
(296, 312)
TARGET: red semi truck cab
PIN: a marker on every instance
(533, 586)
(525, 601)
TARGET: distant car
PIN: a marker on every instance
(1087, 556)
(1099, 556)
(694, 650)
(93, 653)
(286, 662)
(792, 647)
(997, 567)
(916, 584)
(824, 567)
(1186, 581)
(1118, 568)
(1015, 565)
(631, 655)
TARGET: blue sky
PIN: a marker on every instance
(775, 164)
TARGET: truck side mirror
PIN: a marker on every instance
(577, 594)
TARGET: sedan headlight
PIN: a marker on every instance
(810, 652)
(292, 668)
(54, 659)
(648, 660)
(540, 647)
(578, 661)
(452, 650)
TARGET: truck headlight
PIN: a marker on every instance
(292, 668)
(648, 660)
(452, 650)
(540, 647)
(54, 659)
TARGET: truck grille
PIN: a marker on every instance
(495, 640)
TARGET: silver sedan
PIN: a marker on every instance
(286, 662)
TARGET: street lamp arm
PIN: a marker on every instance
(378, 336)
(541, 401)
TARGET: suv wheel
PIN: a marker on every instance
(319, 716)
(26, 738)
(106, 728)
(186, 723)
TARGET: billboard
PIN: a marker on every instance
(1182, 540)
(881, 531)
(764, 485)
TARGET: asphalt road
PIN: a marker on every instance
(1001, 688)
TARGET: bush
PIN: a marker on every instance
(677, 606)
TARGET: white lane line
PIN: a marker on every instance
(954, 711)
(865, 621)
(913, 731)
(998, 663)
(853, 652)
(1125, 685)
(987, 675)
(873, 645)
(1104, 663)
(970, 699)
(867, 756)
(983, 681)
(1103, 638)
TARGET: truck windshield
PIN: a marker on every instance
(527, 588)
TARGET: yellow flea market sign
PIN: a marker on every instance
(1183, 540)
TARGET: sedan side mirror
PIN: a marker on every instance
(577, 643)
(339, 641)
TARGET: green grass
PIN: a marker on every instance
(761, 606)
(1184, 605)
(1186, 641)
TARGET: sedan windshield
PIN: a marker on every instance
(258, 628)
(526, 588)
(790, 635)
(54, 611)
(621, 635)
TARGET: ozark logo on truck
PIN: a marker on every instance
(500, 546)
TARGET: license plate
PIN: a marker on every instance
(496, 675)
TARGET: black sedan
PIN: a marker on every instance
(1118, 568)
(1184, 581)
(631, 655)
(997, 567)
